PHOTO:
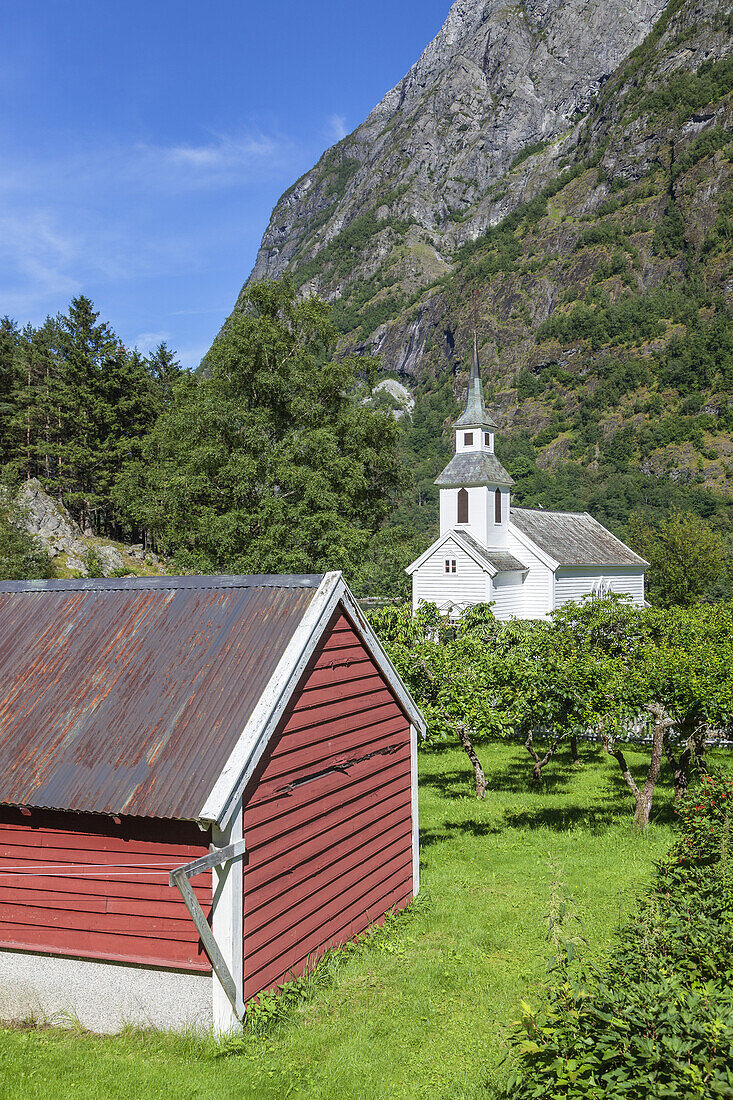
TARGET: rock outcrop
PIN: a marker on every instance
(55, 530)
(499, 80)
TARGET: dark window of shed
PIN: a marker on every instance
(463, 505)
(497, 506)
(468, 439)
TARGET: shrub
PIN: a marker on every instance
(657, 1019)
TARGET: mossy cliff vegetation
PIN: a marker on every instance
(566, 174)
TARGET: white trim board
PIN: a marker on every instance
(456, 535)
(528, 544)
(223, 799)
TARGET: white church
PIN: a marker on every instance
(525, 561)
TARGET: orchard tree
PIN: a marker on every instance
(450, 670)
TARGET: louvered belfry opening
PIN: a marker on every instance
(497, 506)
(463, 505)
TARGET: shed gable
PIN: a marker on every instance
(328, 816)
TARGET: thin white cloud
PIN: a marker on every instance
(337, 127)
(225, 160)
(146, 342)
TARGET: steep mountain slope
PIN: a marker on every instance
(592, 236)
(423, 169)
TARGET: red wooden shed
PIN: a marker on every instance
(205, 782)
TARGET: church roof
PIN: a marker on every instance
(474, 415)
(473, 468)
(573, 538)
(500, 560)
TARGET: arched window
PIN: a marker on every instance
(497, 506)
(463, 505)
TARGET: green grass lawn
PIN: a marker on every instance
(421, 1011)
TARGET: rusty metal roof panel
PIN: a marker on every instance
(127, 696)
(573, 538)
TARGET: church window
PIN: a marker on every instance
(450, 565)
(487, 439)
(497, 506)
(468, 439)
(463, 506)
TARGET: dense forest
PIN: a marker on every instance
(282, 457)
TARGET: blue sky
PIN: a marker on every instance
(145, 142)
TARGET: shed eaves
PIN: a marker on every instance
(127, 696)
(573, 538)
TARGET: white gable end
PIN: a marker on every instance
(538, 587)
(469, 584)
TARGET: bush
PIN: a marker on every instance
(657, 1019)
(21, 558)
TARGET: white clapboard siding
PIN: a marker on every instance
(574, 582)
(470, 584)
(537, 589)
(508, 595)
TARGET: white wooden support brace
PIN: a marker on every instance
(227, 925)
(222, 942)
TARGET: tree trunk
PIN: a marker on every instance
(471, 754)
(694, 737)
(540, 761)
(643, 798)
(574, 750)
(680, 766)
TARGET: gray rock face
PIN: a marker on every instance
(497, 78)
(50, 522)
(58, 533)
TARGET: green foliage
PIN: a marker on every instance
(270, 463)
(656, 1019)
(687, 557)
(77, 406)
(702, 146)
(685, 91)
(596, 669)
(527, 152)
(20, 556)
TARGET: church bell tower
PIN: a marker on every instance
(475, 489)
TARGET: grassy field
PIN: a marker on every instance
(421, 1011)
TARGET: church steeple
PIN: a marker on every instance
(474, 486)
(474, 415)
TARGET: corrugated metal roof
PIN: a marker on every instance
(573, 538)
(474, 468)
(128, 696)
(501, 560)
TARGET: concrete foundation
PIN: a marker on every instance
(102, 996)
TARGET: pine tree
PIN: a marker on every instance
(165, 371)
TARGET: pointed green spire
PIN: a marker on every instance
(474, 415)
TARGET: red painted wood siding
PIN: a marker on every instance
(328, 817)
(63, 891)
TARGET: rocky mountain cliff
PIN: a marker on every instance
(562, 169)
(428, 161)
